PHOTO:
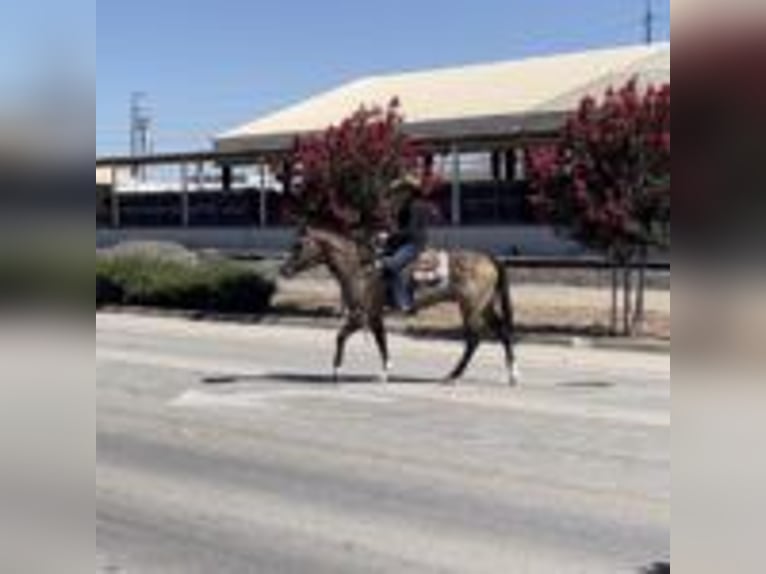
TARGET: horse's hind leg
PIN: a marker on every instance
(472, 339)
(379, 332)
(349, 328)
(503, 333)
(473, 323)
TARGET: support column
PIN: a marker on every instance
(263, 205)
(184, 196)
(510, 164)
(497, 166)
(226, 177)
(114, 200)
(520, 167)
(456, 186)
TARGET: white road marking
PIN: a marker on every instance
(200, 399)
(261, 399)
(490, 398)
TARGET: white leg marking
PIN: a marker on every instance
(384, 372)
(514, 374)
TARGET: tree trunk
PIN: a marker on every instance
(640, 312)
(615, 271)
(627, 277)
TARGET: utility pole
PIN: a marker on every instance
(649, 23)
(140, 131)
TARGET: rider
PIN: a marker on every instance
(407, 242)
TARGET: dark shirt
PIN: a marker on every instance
(412, 224)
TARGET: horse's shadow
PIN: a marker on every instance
(657, 568)
(586, 385)
(314, 379)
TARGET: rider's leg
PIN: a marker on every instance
(401, 258)
(396, 264)
(402, 294)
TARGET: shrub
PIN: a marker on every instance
(108, 292)
(164, 250)
(212, 286)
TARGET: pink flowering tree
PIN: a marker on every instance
(343, 176)
(606, 183)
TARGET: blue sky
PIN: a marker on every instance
(44, 45)
(210, 65)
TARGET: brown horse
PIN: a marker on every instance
(477, 282)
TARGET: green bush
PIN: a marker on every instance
(212, 286)
(108, 292)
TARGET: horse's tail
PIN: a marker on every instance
(503, 295)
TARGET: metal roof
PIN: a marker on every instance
(524, 96)
(103, 176)
(175, 158)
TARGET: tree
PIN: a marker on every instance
(606, 183)
(343, 177)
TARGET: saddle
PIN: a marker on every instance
(431, 269)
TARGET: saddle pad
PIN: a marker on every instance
(432, 268)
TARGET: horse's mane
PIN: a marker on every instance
(345, 242)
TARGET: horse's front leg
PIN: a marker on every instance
(351, 326)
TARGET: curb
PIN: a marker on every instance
(571, 341)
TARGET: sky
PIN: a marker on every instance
(46, 46)
(210, 65)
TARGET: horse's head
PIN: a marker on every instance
(305, 253)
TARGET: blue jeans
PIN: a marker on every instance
(396, 263)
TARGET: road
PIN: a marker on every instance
(225, 448)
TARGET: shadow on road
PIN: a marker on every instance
(657, 568)
(586, 385)
(314, 379)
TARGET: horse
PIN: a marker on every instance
(477, 282)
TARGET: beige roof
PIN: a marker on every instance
(103, 176)
(523, 95)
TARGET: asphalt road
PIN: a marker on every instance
(225, 448)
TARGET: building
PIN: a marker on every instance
(473, 121)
